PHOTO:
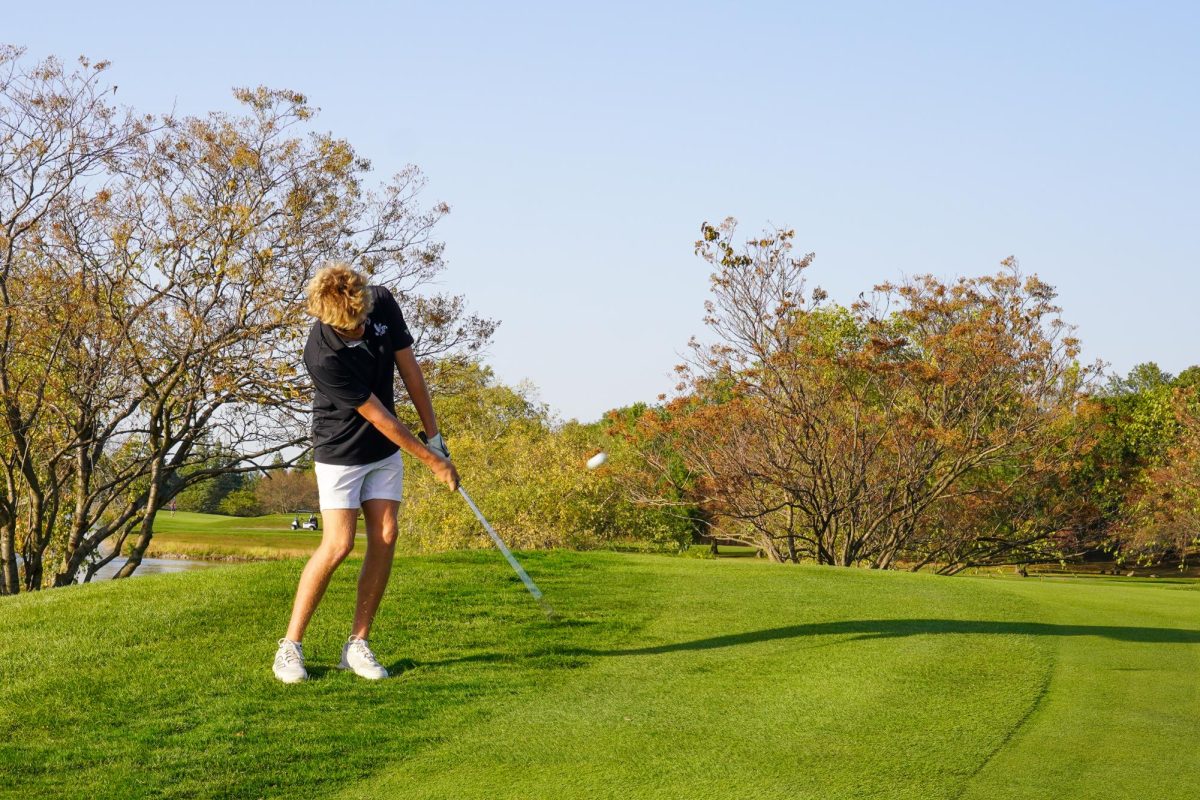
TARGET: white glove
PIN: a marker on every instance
(438, 445)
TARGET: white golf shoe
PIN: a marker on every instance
(356, 655)
(289, 662)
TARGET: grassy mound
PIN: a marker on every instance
(661, 678)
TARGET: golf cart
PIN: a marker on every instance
(310, 524)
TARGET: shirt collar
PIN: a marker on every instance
(335, 342)
(332, 340)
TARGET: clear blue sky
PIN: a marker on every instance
(581, 147)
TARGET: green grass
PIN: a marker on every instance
(270, 537)
(237, 538)
(166, 522)
(661, 678)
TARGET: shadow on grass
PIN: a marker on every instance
(861, 630)
(400, 667)
(867, 629)
(320, 671)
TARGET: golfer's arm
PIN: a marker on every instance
(414, 382)
(395, 430)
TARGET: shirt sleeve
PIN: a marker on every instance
(338, 382)
(397, 328)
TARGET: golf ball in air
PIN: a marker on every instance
(597, 460)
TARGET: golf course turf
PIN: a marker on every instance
(217, 536)
(661, 677)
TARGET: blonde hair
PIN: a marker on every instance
(338, 296)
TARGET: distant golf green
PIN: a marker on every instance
(661, 678)
(219, 537)
(216, 536)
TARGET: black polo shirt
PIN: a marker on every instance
(344, 376)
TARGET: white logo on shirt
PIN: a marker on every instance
(380, 328)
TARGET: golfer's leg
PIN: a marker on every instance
(336, 543)
(380, 519)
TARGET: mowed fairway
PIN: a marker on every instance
(663, 677)
(238, 538)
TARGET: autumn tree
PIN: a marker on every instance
(830, 433)
(1022, 509)
(152, 282)
(650, 473)
(1160, 514)
(287, 491)
(61, 140)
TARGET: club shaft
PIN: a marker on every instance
(521, 573)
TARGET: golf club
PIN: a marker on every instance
(521, 573)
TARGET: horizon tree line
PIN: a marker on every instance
(152, 270)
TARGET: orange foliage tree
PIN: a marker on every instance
(816, 431)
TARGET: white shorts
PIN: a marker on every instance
(343, 486)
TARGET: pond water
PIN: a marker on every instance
(149, 566)
(153, 566)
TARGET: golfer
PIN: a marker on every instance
(358, 338)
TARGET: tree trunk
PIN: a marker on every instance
(73, 557)
(153, 499)
(146, 533)
(791, 535)
(767, 545)
(33, 566)
(135, 556)
(139, 548)
(10, 580)
(71, 565)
